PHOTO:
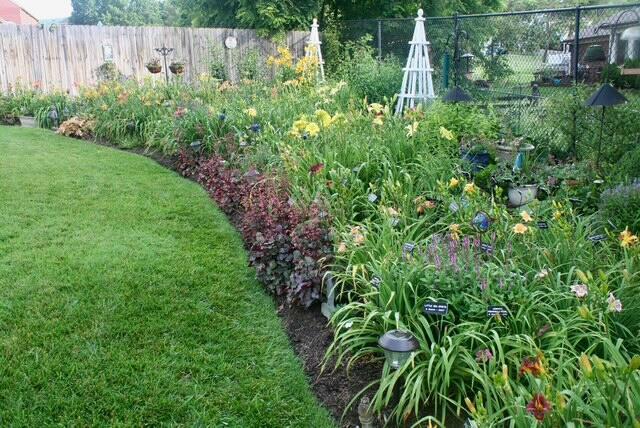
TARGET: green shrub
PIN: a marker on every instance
(611, 73)
(367, 76)
(621, 206)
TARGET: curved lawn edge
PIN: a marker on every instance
(126, 299)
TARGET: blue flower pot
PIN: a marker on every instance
(478, 161)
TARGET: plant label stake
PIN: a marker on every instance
(493, 311)
(470, 423)
(543, 225)
(372, 198)
(407, 250)
(436, 308)
(597, 239)
(486, 248)
(375, 282)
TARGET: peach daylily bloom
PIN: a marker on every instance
(520, 229)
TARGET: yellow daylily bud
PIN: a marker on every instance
(470, 405)
(634, 364)
(582, 276)
(586, 364)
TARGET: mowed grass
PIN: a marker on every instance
(125, 299)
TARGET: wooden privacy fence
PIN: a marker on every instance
(67, 57)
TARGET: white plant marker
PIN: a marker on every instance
(417, 83)
(313, 47)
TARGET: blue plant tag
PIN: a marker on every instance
(486, 248)
(543, 225)
(372, 197)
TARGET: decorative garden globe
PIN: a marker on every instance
(398, 346)
(481, 221)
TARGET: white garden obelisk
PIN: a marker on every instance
(313, 48)
(417, 83)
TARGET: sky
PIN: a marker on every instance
(46, 9)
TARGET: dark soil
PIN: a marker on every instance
(310, 336)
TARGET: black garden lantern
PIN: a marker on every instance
(196, 146)
(398, 346)
(457, 95)
(604, 97)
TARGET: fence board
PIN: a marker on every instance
(68, 57)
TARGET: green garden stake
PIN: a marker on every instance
(446, 66)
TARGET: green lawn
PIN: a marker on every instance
(125, 299)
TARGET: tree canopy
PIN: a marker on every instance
(276, 16)
(117, 12)
(268, 16)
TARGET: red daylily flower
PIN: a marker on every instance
(539, 406)
(532, 365)
(315, 169)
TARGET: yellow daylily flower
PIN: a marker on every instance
(375, 108)
(627, 239)
(454, 229)
(251, 112)
(412, 129)
(312, 129)
(454, 182)
(446, 134)
(378, 121)
(470, 188)
(326, 119)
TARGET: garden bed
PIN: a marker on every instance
(535, 305)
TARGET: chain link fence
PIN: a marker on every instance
(510, 56)
(527, 65)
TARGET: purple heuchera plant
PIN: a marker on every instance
(288, 247)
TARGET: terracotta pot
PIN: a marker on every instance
(154, 69)
(522, 195)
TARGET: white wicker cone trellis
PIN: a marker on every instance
(417, 83)
(313, 48)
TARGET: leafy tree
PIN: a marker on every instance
(269, 16)
(275, 16)
(117, 12)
